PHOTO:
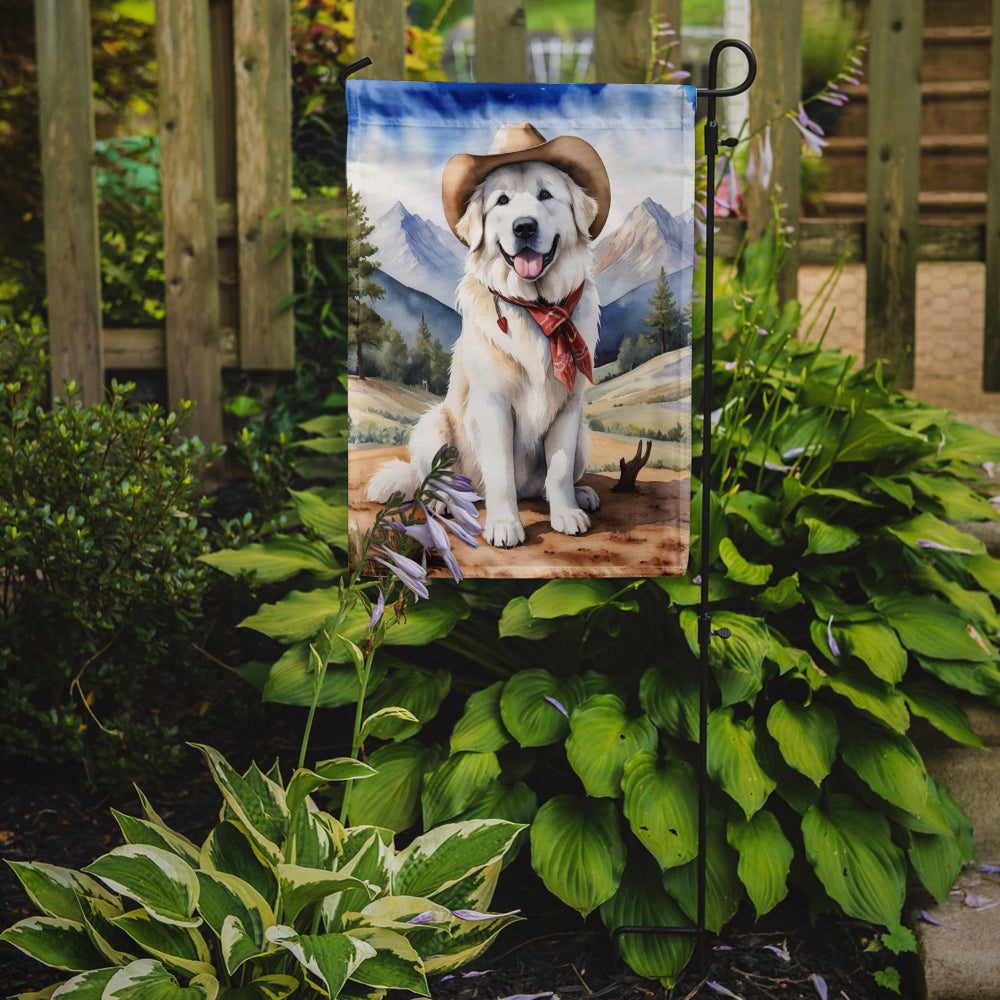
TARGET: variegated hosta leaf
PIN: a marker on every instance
(304, 782)
(661, 805)
(329, 959)
(807, 736)
(54, 941)
(141, 831)
(116, 947)
(441, 857)
(86, 986)
(578, 851)
(602, 737)
(149, 980)
(230, 849)
(315, 838)
(476, 890)
(256, 801)
(850, 847)
(535, 706)
(467, 940)
(275, 987)
(225, 897)
(301, 887)
(395, 964)
(888, 763)
(765, 858)
(732, 760)
(367, 853)
(158, 880)
(723, 889)
(642, 902)
(391, 799)
(177, 947)
(56, 891)
(456, 784)
(481, 727)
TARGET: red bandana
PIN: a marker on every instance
(569, 352)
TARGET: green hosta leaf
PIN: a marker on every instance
(147, 979)
(260, 809)
(330, 959)
(931, 628)
(783, 595)
(739, 569)
(671, 700)
(965, 443)
(292, 680)
(516, 803)
(274, 987)
(56, 891)
(441, 857)
(159, 881)
(279, 558)
(732, 760)
(224, 898)
(418, 691)
(828, 539)
(986, 572)
(866, 692)
(456, 784)
(850, 848)
(395, 964)
(876, 646)
(230, 849)
(391, 798)
(957, 501)
(758, 511)
(888, 763)
(560, 598)
(386, 723)
(807, 736)
(481, 728)
(894, 489)
(723, 889)
(975, 605)
(661, 798)
(641, 901)
(517, 620)
(327, 520)
(530, 706)
(602, 738)
(941, 709)
(870, 436)
(765, 858)
(301, 887)
(141, 831)
(976, 678)
(180, 948)
(738, 661)
(578, 851)
(928, 528)
(937, 858)
(54, 941)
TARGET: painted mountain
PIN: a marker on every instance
(421, 265)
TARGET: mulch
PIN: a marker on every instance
(550, 953)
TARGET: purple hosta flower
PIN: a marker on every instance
(927, 918)
(459, 530)
(820, 984)
(455, 492)
(411, 574)
(558, 705)
(431, 536)
(531, 996)
(761, 162)
(427, 917)
(834, 648)
(377, 612)
(719, 988)
(811, 132)
(728, 195)
(475, 915)
(928, 543)
(780, 952)
(989, 869)
(465, 975)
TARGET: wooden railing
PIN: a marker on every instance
(226, 160)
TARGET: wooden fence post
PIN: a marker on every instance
(190, 251)
(776, 34)
(380, 34)
(621, 40)
(893, 183)
(72, 255)
(991, 332)
(262, 61)
(501, 41)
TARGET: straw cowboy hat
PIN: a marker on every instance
(516, 144)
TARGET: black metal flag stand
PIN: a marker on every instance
(705, 631)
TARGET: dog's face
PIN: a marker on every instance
(526, 226)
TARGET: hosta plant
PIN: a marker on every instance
(279, 900)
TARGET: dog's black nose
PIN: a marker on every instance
(525, 227)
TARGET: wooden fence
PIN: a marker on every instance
(226, 161)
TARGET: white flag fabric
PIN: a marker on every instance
(522, 260)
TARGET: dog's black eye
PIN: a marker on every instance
(543, 195)
(503, 199)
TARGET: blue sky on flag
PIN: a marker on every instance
(643, 134)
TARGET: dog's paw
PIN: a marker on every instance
(587, 498)
(504, 533)
(570, 522)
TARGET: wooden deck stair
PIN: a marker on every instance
(955, 92)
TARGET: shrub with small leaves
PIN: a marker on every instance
(99, 574)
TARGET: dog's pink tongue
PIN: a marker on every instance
(528, 264)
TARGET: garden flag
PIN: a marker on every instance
(521, 267)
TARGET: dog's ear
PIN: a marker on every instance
(584, 209)
(470, 226)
